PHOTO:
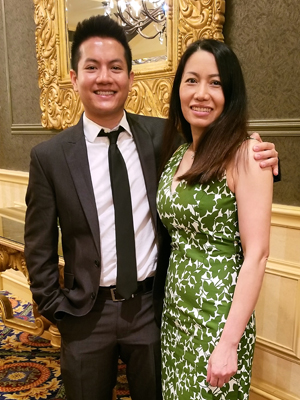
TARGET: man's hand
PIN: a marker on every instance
(266, 153)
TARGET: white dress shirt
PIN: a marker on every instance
(145, 243)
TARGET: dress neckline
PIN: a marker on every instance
(182, 152)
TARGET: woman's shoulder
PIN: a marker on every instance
(245, 161)
(245, 152)
(249, 142)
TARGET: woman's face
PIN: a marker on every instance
(201, 95)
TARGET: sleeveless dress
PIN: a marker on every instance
(205, 261)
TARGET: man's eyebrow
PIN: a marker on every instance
(120, 60)
(90, 59)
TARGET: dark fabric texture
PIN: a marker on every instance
(91, 345)
(60, 188)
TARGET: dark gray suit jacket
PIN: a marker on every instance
(60, 189)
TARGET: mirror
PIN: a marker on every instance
(186, 21)
(144, 22)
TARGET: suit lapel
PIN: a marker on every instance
(147, 158)
(76, 155)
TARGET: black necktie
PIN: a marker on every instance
(125, 239)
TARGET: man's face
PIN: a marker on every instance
(102, 80)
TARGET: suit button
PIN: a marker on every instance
(93, 296)
(97, 263)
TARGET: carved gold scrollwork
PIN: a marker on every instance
(187, 20)
(12, 259)
(150, 97)
(200, 19)
(19, 324)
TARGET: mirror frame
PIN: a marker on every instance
(187, 21)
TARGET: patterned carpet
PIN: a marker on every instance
(29, 365)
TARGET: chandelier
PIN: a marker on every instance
(136, 15)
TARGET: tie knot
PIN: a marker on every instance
(112, 135)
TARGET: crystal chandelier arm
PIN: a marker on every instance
(154, 14)
(133, 24)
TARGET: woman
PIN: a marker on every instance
(215, 201)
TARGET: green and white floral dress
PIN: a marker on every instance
(204, 265)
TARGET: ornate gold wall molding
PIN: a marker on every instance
(187, 21)
(12, 257)
(199, 19)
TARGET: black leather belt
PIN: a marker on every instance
(110, 292)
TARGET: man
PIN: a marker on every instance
(70, 184)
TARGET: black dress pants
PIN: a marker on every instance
(92, 344)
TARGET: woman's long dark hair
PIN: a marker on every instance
(221, 138)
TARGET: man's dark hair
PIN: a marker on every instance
(99, 26)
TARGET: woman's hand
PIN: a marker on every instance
(222, 365)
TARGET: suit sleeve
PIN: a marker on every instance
(41, 238)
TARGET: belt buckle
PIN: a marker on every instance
(113, 295)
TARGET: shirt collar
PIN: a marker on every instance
(91, 129)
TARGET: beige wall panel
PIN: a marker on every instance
(285, 244)
(276, 311)
(13, 185)
(275, 376)
(10, 194)
(276, 368)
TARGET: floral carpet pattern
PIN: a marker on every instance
(30, 366)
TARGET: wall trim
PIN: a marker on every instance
(290, 270)
(276, 127)
(269, 392)
(283, 352)
(285, 216)
(279, 127)
(31, 129)
(17, 177)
